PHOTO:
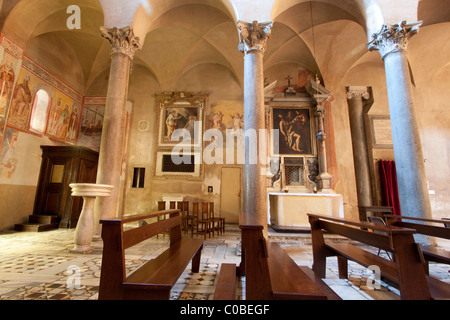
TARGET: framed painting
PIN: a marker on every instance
(172, 165)
(295, 128)
(180, 110)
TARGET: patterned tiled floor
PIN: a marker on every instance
(39, 266)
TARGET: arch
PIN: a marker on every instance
(143, 20)
(367, 13)
(39, 113)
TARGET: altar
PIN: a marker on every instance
(288, 211)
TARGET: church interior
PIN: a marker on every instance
(287, 108)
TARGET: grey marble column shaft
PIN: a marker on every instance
(355, 98)
(391, 42)
(253, 41)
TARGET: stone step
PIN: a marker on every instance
(35, 227)
(42, 219)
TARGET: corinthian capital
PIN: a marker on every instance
(393, 38)
(253, 36)
(122, 40)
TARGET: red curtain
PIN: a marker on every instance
(389, 189)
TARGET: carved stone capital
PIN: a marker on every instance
(358, 92)
(253, 36)
(393, 38)
(122, 40)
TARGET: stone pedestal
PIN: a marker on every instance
(85, 226)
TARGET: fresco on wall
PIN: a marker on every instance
(9, 67)
(21, 102)
(226, 114)
(91, 125)
(64, 115)
(8, 162)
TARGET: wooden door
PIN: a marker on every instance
(230, 194)
(60, 167)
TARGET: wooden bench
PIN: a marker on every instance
(226, 283)
(272, 274)
(155, 278)
(425, 227)
(405, 270)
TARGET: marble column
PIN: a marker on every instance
(123, 47)
(324, 178)
(253, 40)
(391, 42)
(357, 97)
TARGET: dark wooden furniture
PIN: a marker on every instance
(61, 166)
(271, 274)
(155, 278)
(204, 221)
(377, 211)
(426, 227)
(406, 269)
(226, 283)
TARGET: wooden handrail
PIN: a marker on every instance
(365, 225)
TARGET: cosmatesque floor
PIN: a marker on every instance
(40, 266)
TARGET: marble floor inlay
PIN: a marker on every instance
(39, 266)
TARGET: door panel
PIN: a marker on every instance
(230, 194)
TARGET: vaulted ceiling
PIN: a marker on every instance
(185, 36)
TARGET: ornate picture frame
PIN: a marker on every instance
(180, 155)
(180, 110)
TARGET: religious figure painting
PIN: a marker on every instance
(8, 162)
(294, 125)
(21, 102)
(91, 126)
(60, 115)
(8, 74)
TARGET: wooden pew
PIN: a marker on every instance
(155, 278)
(226, 283)
(425, 227)
(271, 274)
(406, 269)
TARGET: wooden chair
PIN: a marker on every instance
(194, 217)
(180, 206)
(161, 207)
(221, 223)
(204, 221)
(217, 222)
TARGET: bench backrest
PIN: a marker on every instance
(381, 239)
(116, 240)
(408, 256)
(421, 225)
(254, 263)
